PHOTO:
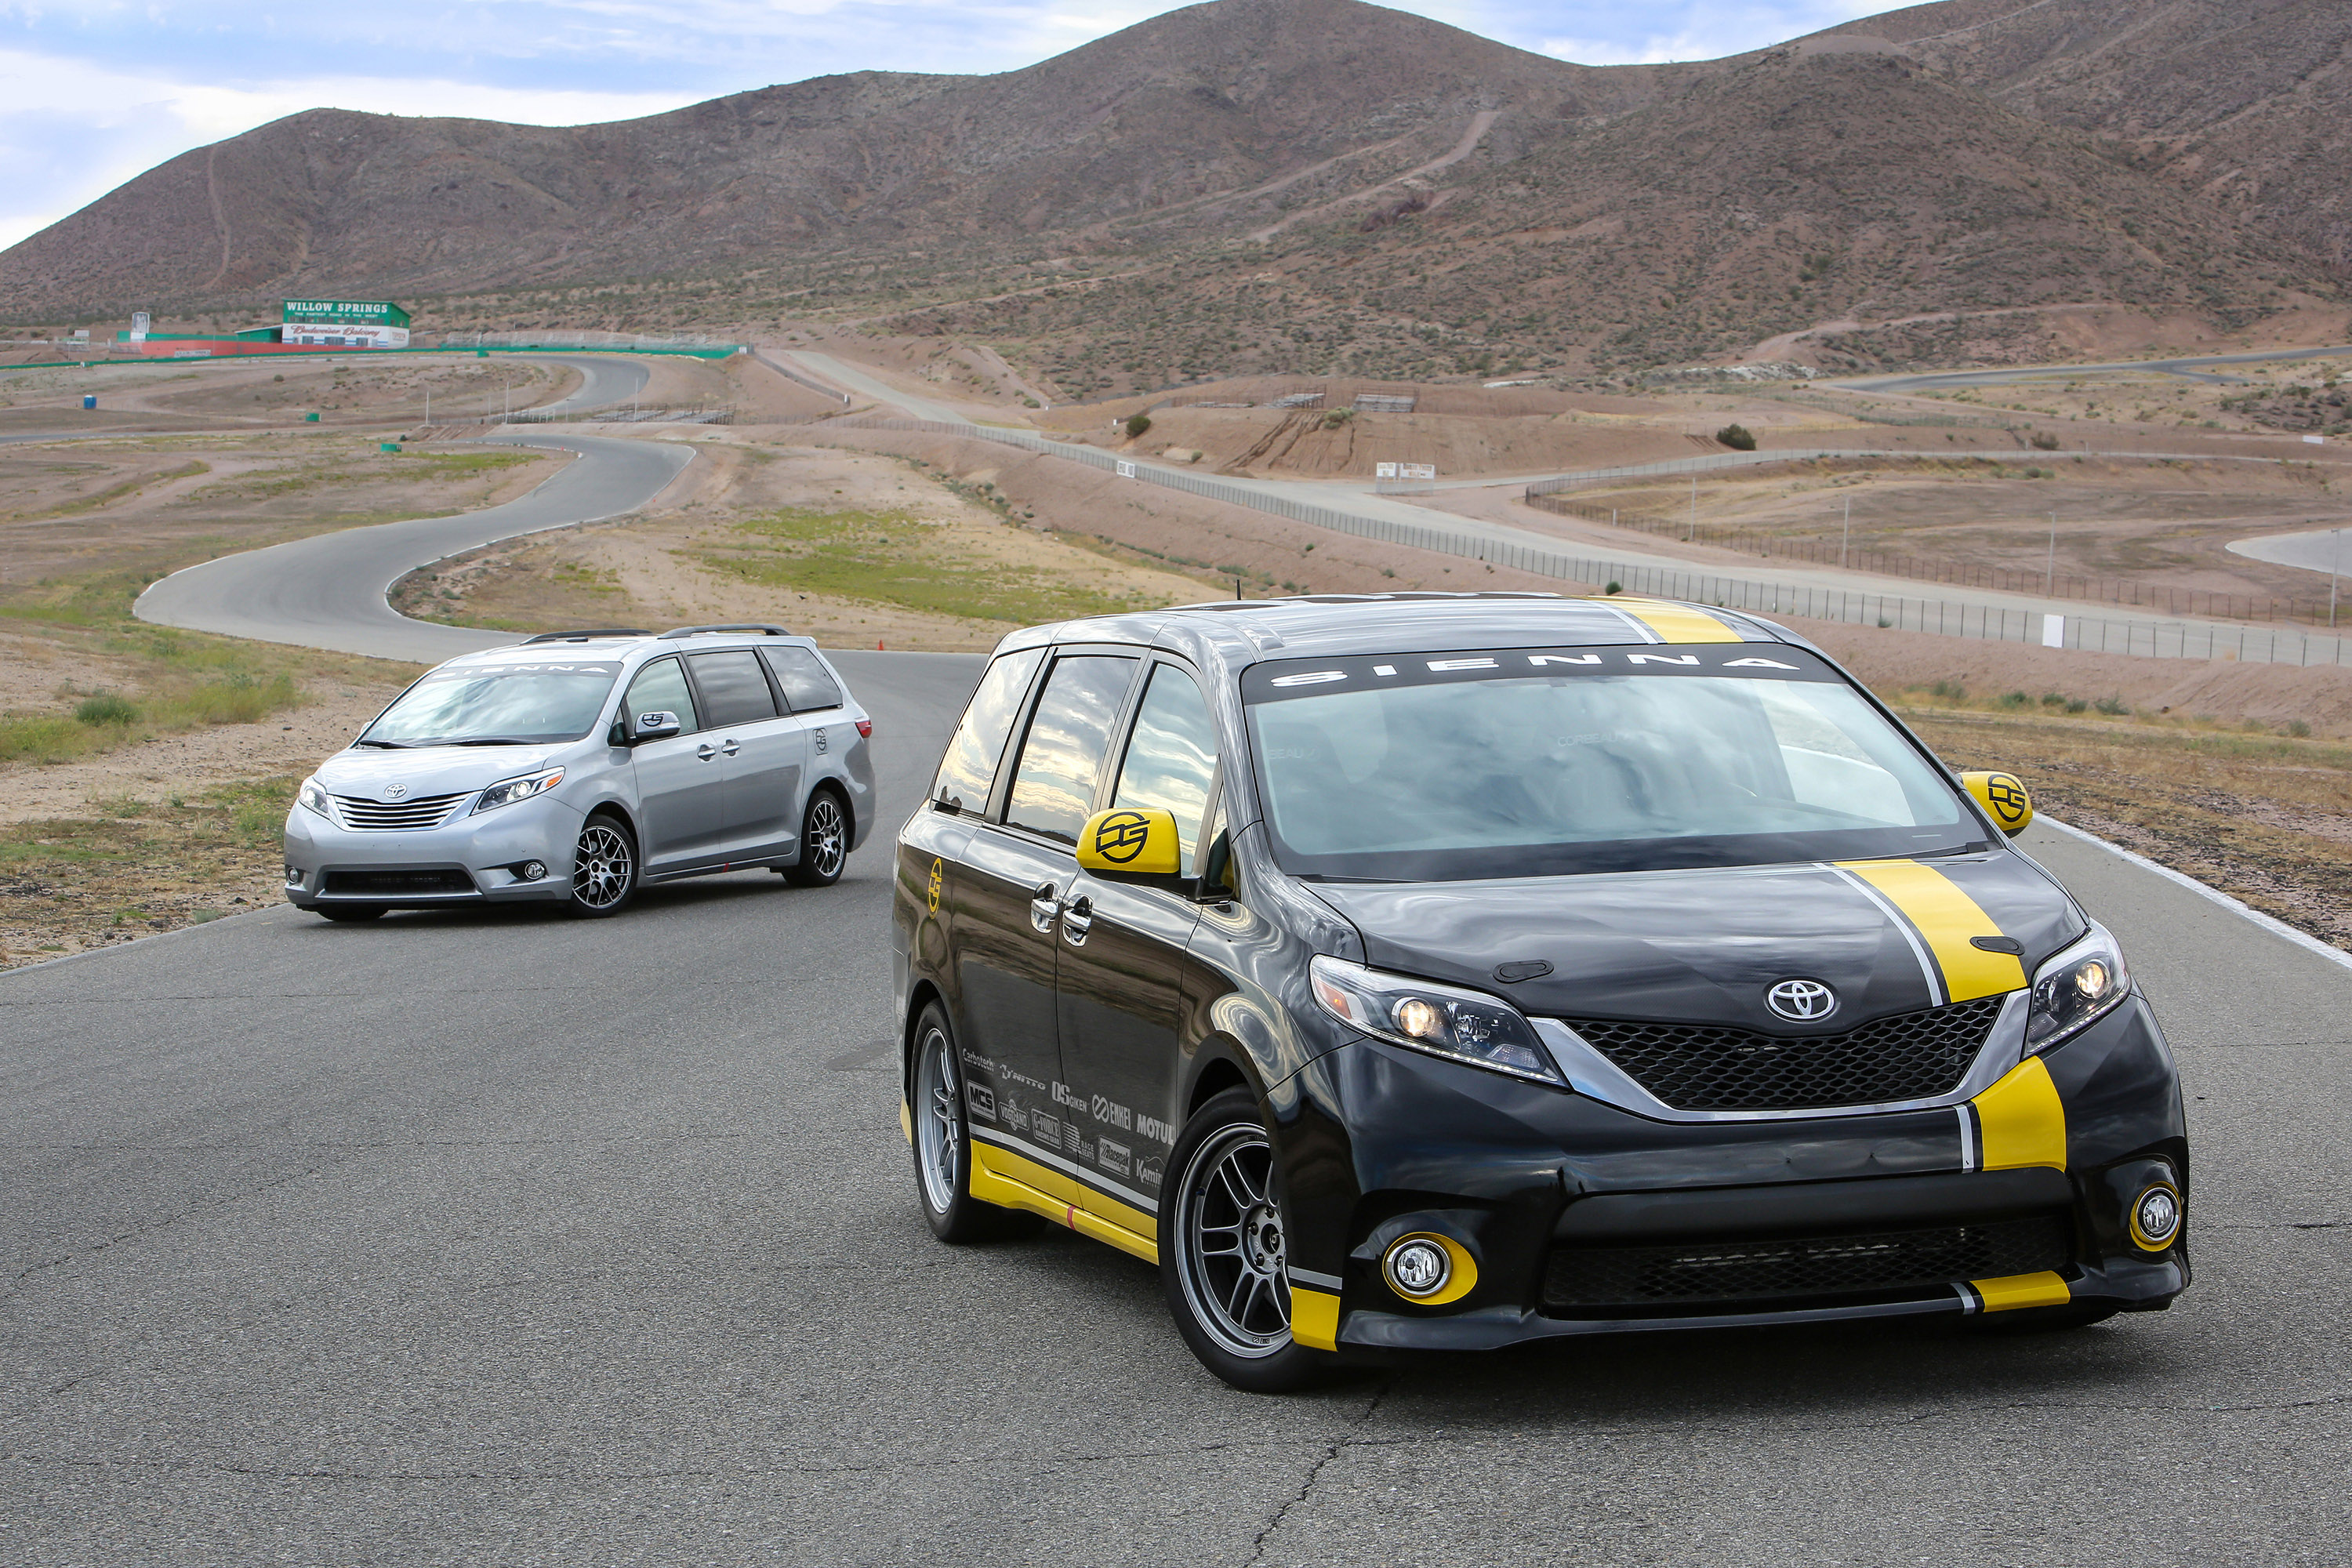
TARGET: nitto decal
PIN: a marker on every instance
(1112, 1157)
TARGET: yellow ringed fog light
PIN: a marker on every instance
(2156, 1217)
(1428, 1269)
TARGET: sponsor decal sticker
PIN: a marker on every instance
(1148, 1171)
(981, 1099)
(1152, 1127)
(1112, 1157)
(939, 879)
(1045, 1130)
(1122, 836)
(1078, 1144)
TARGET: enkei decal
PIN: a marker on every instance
(981, 1099)
(1112, 1157)
(1118, 1115)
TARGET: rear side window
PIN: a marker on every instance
(968, 770)
(1055, 788)
(1171, 755)
(807, 685)
(660, 688)
(732, 688)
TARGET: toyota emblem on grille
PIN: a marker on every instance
(1801, 1001)
(394, 792)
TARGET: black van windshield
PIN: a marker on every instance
(521, 704)
(1520, 762)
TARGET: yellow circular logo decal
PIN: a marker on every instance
(1120, 836)
(939, 879)
(2006, 798)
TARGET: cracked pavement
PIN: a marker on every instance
(496, 1238)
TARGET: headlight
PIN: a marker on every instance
(1467, 1025)
(2079, 985)
(506, 792)
(313, 796)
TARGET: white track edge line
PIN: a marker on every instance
(2276, 927)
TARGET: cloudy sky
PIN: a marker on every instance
(93, 92)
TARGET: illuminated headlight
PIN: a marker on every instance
(506, 792)
(2075, 989)
(313, 796)
(1467, 1025)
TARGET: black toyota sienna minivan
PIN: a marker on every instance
(1446, 972)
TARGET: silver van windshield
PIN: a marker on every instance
(520, 704)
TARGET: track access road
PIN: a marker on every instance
(494, 1237)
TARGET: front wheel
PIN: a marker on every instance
(824, 842)
(1222, 1249)
(603, 869)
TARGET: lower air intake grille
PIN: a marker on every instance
(1685, 1274)
(396, 884)
(1706, 1067)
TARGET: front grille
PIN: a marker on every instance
(391, 815)
(1684, 1274)
(396, 884)
(1708, 1067)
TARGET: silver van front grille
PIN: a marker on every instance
(395, 816)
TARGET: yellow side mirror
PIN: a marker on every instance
(2003, 795)
(1124, 842)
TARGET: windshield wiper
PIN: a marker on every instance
(387, 745)
(491, 741)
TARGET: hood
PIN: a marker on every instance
(429, 769)
(1706, 946)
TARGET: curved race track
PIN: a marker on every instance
(487, 1236)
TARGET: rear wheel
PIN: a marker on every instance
(943, 1144)
(351, 911)
(604, 868)
(824, 842)
(1221, 1252)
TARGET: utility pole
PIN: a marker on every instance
(1693, 526)
(1849, 532)
(2335, 571)
(2050, 572)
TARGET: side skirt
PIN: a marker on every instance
(1010, 1180)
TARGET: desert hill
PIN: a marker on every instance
(1320, 184)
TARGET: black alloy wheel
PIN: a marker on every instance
(824, 842)
(351, 911)
(604, 868)
(1221, 1252)
(942, 1139)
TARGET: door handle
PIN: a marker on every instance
(728, 746)
(706, 751)
(1077, 920)
(1044, 904)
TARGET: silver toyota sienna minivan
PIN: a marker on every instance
(577, 766)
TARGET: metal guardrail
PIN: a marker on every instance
(2147, 639)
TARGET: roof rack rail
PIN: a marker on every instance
(731, 626)
(587, 634)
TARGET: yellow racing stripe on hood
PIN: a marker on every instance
(1676, 623)
(1945, 918)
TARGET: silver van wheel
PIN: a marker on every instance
(824, 842)
(604, 868)
(938, 1124)
(1230, 1244)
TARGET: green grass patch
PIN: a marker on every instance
(896, 558)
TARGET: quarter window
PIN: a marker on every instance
(1171, 755)
(803, 676)
(968, 770)
(733, 688)
(1054, 790)
(660, 688)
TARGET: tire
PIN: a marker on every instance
(824, 841)
(1231, 1302)
(350, 912)
(604, 868)
(942, 1142)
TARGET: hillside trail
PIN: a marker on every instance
(1480, 123)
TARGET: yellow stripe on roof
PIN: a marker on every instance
(1676, 623)
(1946, 918)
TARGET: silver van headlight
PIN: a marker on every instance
(311, 795)
(506, 792)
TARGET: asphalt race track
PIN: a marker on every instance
(2197, 367)
(328, 591)
(495, 1237)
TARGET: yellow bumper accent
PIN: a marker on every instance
(905, 1122)
(2015, 1290)
(1313, 1318)
(1946, 918)
(1462, 1279)
(2020, 1120)
(1676, 623)
(1000, 1176)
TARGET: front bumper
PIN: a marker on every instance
(467, 860)
(1575, 1217)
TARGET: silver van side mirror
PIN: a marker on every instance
(653, 726)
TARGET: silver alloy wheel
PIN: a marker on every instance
(1230, 1243)
(828, 833)
(602, 868)
(939, 1120)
